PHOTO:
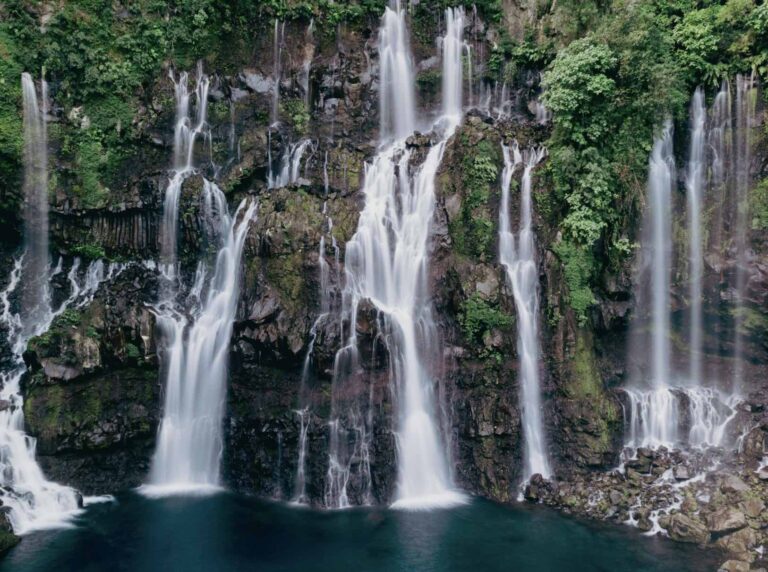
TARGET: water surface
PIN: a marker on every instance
(225, 531)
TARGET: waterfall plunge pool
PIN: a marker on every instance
(230, 532)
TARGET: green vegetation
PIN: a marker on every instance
(478, 317)
(473, 232)
(609, 90)
(758, 206)
(89, 251)
(578, 264)
(297, 113)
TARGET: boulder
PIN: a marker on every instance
(752, 507)
(681, 473)
(725, 519)
(733, 484)
(7, 538)
(734, 566)
(739, 543)
(683, 528)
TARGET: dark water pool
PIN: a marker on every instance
(232, 532)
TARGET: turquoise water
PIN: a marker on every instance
(227, 532)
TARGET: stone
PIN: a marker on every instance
(725, 519)
(734, 566)
(7, 538)
(615, 497)
(752, 507)
(641, 464)
(535, 489)
(739, 542)
(683, 528)
(762, 474)
(733, 484)
(257, 82)
(681, 473)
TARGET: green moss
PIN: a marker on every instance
(585, 385)
(758, 206)
(584, 380)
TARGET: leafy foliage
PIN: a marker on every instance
(477, 317)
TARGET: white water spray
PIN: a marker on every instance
(694, 185)
(386, 264)
(197, 337)
(189, 443)
(518, 256)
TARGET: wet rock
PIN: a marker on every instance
(534, 491)
(685, 529)
(733, 484)
(616, 497)
(641, 464)
(734, 566)
(752, 507)
(681, 473)
(725, 520)
(739, 543)
(7, 538)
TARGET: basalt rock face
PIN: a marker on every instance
(94, 388)
(91, 397)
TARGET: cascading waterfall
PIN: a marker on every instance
(33, 501)
(35, 270)
(717, 175)
(189, 443)
(653, 413)
(694, 185)
(386, 263)
(519, 260)
(746, 94)
(185, 135)
(279, 33)
(197, 338)
(290, 165)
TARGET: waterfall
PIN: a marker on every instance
(386, 265)
(717, 178)
(653, 413)
(746, 92)
(660, 181)
(397, 108)
(189, 443)
(694, 186)
(290, 166)
(519, 260)
(197, 335)
(185, 135)
(277, 70)
(34, 273)
(33, 501)
(453, 47)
